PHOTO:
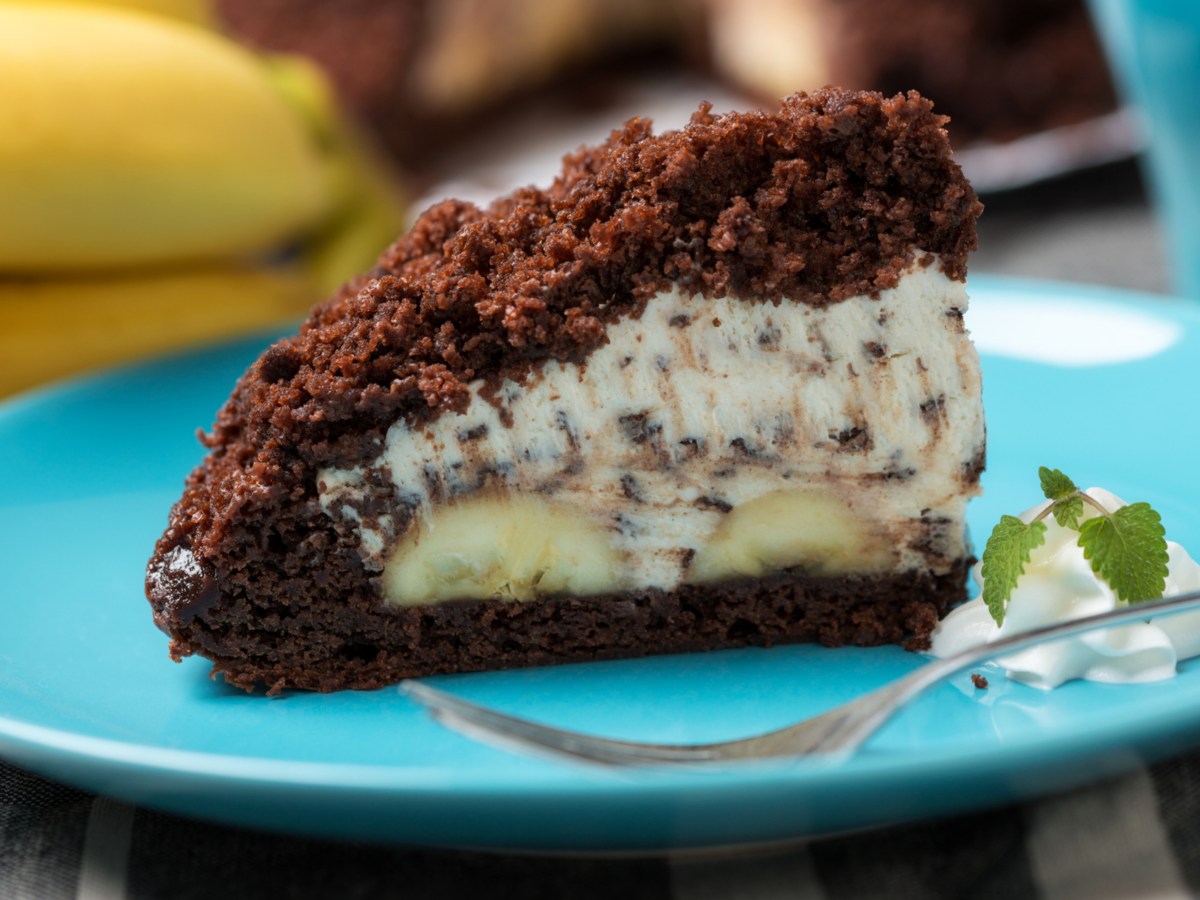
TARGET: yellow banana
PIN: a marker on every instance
(352, 243)
(197, 12)
(368, 208)
(128, 139)
(53, 327)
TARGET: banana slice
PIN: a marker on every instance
(512, 547)
(787, 528)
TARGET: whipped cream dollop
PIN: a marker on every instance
(1058, 585)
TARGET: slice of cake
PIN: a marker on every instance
(712, 388)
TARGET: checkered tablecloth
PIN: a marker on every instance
(1137, 836)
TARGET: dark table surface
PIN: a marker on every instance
(1135, 836)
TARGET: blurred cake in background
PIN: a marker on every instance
(430, 70)
(999, 70)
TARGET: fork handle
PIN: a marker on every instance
(856, 721)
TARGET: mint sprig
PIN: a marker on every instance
(1127, 547)
(1067, 499)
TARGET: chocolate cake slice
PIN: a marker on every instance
(709, 389)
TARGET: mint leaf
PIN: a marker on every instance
(1128, 549)
(1056, 485)
(1067, 511)
(1004, 560)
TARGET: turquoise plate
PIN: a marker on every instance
(1094, 382)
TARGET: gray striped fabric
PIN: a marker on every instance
(1137, 836)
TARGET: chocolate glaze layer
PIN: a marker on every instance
(834, 195)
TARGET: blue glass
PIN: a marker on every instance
(1154, 48)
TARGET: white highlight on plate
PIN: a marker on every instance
(1049, 329)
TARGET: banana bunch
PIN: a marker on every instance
(160, 185)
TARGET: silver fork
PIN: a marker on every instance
(833, 734)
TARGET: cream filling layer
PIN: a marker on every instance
(709, 437)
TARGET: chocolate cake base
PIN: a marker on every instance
(366, 651)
